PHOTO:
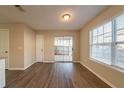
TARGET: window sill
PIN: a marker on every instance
(110, 66)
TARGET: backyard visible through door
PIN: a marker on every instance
(63, 49)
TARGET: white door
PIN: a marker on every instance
(39, 48)
(4, 46)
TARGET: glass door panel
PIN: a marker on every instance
(63, 49)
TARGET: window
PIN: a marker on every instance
(101, 43)
(119, 41)
(107, 42)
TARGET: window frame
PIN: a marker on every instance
(117, 42)
(113, 43)
(102, 44)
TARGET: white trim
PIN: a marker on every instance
(114, 63)
(70, 36)
(8, 48)
(107, 65)
(38, 61)
(16, 69)
(103, 79)
(63, 62)
(22, 68)
(48, 61)
(29, 65)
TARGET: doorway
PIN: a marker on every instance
(4, 46)
(63, 49)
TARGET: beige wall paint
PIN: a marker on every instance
(16, 47)
(22, 45)
(29, 46)
(112, 76)
(49, 43)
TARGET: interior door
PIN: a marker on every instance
(4, 46)
(39, 48)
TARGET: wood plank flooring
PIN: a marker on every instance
(56, 75)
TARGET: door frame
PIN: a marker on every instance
(72, 48)
(8, 47)
(42, 47)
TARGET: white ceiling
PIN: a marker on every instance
(49, 17)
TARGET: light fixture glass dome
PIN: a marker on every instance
(66, 17)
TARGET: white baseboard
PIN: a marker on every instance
(54, 62)
(48, 61)
(103, 79)
(29, 65)
(21, 68)
(45, 61)
(16, 69)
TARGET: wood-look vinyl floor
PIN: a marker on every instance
(54, 75)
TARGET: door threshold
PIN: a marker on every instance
(63, 61)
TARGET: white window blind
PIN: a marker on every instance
(119, 41)
(107, 42)
(101, 43)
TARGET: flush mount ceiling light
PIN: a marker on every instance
(66, 17)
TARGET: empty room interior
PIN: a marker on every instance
(61, 46)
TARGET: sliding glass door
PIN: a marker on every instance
(63, 49)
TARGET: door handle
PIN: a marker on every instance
(6, 51)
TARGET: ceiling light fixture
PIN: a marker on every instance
(66, 17)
